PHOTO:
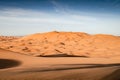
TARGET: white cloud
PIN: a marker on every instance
(14, 15)
(59, 7)
(64, 9)
(17, 17)
(19, 12)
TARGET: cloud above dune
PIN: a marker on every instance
(29, 16)
(40, 21)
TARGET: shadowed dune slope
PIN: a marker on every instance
(8, 63)
(113, 76)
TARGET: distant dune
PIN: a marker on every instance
(65, 44)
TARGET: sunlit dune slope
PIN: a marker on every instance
(65, 43)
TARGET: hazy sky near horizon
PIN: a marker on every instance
(22, 17)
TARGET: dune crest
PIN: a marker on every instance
(70, 43)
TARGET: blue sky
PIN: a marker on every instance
(22, 17)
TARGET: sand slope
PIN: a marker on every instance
(59, 68)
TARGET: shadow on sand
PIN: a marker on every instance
(61, 55)
(8, 63)
(73, 66)
(113, 76)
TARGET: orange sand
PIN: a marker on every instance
(65, 43)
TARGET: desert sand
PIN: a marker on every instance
(15, 66)
(27, 58)
(64, 44)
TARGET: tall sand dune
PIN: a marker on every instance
(65, 44)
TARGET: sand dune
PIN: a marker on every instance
(61, 43)
(57, 68)
(60, 56)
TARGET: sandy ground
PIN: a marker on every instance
(14, 66)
